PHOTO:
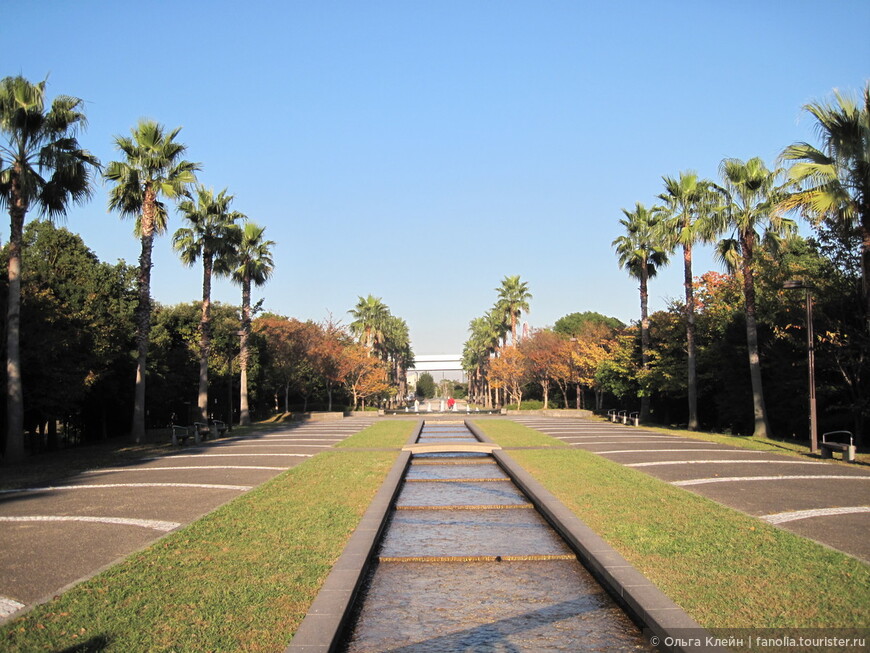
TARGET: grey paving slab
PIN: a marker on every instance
(758, 483)
(52, 536)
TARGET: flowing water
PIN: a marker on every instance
(467, 564)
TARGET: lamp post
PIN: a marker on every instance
(796, 284)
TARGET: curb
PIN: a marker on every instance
(648, 606)
(322, 626)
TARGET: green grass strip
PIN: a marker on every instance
(725, 568)
(511, 434)
(240, 579)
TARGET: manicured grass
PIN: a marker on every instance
(787, 447)
(383, 434)
(725, 568)
(240, 579)
(511, 434)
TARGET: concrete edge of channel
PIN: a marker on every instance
(327, 617)
(641, 598)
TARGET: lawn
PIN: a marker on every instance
(725, 568)
(240, 579)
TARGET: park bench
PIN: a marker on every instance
(846, 448)
(180, 434)
(220, 427)
(635, 418)
(202, 430)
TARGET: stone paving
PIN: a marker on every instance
(828, 502)
(54, 536)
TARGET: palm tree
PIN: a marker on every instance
(370, 315)
(253, 265)
(41, 165)
(688, 199)
(213, 235)
(152, 166)
(641, 251)
(835, 180)
(513, 299)
(753, 193)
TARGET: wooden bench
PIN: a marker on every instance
(180, 434)
(202, 430)
(219, 427)
(847, 449)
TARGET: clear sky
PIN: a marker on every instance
(421, 151)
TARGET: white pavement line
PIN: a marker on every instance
(155, 524)
(324, 439)
(723, 462)
(613, 435)
(105, 486)
(172, 469)
(678, 450)
(783, 517)
(640, 441)
(736, 479)
(270, 444)
(230, 455)
(8, 606)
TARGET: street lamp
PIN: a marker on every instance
(797, 284)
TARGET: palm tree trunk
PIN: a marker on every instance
(762, 428)
(143, 312)
(244, 414)
(143, 326)
(205, 336)
(644, 338)
(14, 389)
(690, 338)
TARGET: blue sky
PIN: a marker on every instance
(421, 151)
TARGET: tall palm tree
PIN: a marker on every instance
(253, 265)
(370, 315)
(42, 165)
(753, 192)
(835, 179)
(213, 235)
(513, 299)
(641, 251)
(152, 166)
(688, 199)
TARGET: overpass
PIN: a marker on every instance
(440, 366)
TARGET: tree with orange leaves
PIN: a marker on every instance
(364, 375)
(510, 371)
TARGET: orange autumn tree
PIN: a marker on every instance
(364, 375)
(327, 355)
(543, 352)
(510, 371)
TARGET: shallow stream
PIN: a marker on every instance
(467, 564)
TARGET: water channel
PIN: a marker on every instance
(467, 564)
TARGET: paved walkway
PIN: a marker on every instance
(824, 501)
(54, 536)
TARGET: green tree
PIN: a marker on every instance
(76, 326)
(253, 265)
(152, 166)
(513, 299)
(425, 385)
(835, 179)
(213, 236)
(575, 324)
(641, 251)
(689, 201)
(752, 191)
(370, 315)
(42, 165)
